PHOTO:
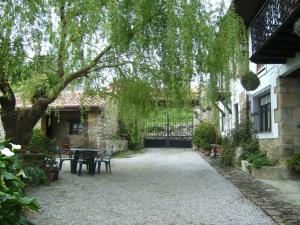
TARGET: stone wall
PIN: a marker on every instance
(61, 126)
(271, 145)
(271, 148)
(288, 116)
(103, 129)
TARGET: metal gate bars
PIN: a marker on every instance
(169, 130)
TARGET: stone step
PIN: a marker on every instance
(272, 173)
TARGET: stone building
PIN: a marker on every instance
(274, 56)
(81, 121)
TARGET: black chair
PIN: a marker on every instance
(64, 155)
(104, 157)
(87, 158)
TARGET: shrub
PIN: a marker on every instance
(294, 163)
(206, 146)
(204, 135)
(37, 142)
(35, 176)
(249, 148)
(228, 154)
(259, 159)
(242, 133)
(12, 201)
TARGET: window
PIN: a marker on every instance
(222, 121)
(262, 117)
(265, 113)
(236, 113)
(76, 127)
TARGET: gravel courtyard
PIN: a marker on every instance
(161, 186)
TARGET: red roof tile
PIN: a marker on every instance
(69, 99)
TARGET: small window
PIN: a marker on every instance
(76, 127)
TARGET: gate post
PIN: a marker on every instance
(168, 132)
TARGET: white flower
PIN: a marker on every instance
(7, 152)
(15, 147)
(21, 173)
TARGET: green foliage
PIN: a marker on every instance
(154, 129)
(152, 48)
(228, 53)
(175, 115)
(13, 203)
(222, 140)
(294, 162)
(242, 133)
(38, 141)
(135, 102)
(35, 176)
(250, 81)
(206, 146)
(204, 135)
(156, 120)
(228, 154)
(250, 147)
(241, 136)
(259, 159)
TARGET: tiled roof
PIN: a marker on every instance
(69, 99)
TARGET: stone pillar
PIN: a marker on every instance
(103, 129)
(288, 116)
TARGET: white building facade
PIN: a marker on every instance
(275, 58)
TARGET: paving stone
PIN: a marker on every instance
(261, 194)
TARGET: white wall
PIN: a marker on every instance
(268, 79)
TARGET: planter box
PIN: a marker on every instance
(272, 173)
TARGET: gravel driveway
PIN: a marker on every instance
(161, 186)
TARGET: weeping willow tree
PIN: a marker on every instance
(228, 58)
(152, 48)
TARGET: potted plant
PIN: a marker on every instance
(51, 165)
(250, 81)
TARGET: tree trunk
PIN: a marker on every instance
(18, 124)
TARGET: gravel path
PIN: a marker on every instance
(161, 186)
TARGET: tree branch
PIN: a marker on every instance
(227, 107)
(114, 65)
(84, 71)
(221, 111)
(62, 44)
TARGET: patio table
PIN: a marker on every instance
(77, 152)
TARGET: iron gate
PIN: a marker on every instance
(169, 130)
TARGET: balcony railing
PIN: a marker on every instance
(271, 16)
